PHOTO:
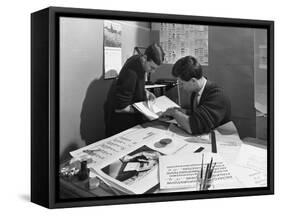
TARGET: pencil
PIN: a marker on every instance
(206, 176)
(211, 162)
(201, 173)
(211, 173)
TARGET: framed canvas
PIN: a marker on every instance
(189, 116)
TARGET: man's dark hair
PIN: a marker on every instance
(187, 68)
(155, 53)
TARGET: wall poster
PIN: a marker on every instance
(179, 40)
(112, 49)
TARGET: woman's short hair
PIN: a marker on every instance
(155, 53)
(187, 68)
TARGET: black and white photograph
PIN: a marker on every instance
(210, 81)
(134, 166)
(160, 107)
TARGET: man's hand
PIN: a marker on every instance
(181, 110)
(141, 157)
(169, 112)
(181, 118)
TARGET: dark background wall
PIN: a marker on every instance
(231, 65)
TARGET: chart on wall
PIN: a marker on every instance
(112, 49)
(179, 40)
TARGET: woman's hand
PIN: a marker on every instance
(150, 96)
(127, 109)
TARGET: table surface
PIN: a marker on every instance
(74, 188)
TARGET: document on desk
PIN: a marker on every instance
(202, 142)
(152, 110)
(227, 145)
(129, 161)
(103, 150)
(251, 166)
(181, 171)
(136, 171)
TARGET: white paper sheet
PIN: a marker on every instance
(194, 142)
(251, 166)
(228, 146)
(145, 110)
(113, 147)
(171, 148)
(152, 110)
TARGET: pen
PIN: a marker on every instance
(211, 163)
(206, 176)
(212, 170)
(201, 174)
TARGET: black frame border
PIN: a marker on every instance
(54, 14)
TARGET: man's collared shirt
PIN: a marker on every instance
(201, 90)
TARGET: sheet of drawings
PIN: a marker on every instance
(179, 40)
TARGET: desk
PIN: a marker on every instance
(76, 189)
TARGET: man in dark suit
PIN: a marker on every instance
(210, 107)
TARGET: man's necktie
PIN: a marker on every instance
(195, 102)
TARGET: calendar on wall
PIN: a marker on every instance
(179, 40)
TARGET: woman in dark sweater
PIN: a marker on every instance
(130, 88)
(210, 107)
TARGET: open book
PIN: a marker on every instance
(152, 110)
